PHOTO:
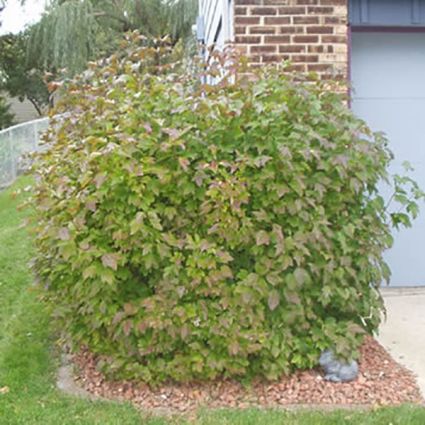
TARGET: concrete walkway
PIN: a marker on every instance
(403, 333)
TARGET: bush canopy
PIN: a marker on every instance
(191, 231)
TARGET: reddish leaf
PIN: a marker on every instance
(262, 238)
(274, 299)
(127, 327)
(110, 260)
(64, 234)
(184, 163)
(184, 331)
(300, 275)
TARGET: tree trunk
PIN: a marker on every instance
(37, 108)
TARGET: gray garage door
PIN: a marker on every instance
(388, 76)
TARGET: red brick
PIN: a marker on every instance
(263, 49)
(278, 20)
(288, 10)
(247, 2)
(334, 3)
(305, 39)
(241, 11)
(335, 39)
(263, 11)
(292, 48)
(279, 39)
(305, 58)
(320, 30)
(314, 67)
(290, 29)
(275, 2)
(247, 20)
(308, 2)
(248, 39)
(262, 29)
(305, 20)
(316, 48)
(240, 29)
(274, 58)
(335, 20)
(318, 10)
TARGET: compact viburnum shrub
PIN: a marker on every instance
(188, 231)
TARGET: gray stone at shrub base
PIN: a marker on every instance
(336, 370)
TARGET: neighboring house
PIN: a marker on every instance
(378, 46)
(23, 111)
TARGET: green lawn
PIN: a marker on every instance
(28, 362)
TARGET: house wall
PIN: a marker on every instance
(312, 34)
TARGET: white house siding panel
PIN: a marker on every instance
(231, 20)
(219, 41)
(212, 13)
(218, 21)
(216, 28)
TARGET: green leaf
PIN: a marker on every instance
(137, 224)
(107, 276)
(89, 272)
(292, 297)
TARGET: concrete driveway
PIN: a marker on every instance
(403, 333)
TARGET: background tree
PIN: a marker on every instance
(19, 75)
(6, 116)
(72, 32)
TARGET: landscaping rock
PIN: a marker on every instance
(381, 381)
(336, 370)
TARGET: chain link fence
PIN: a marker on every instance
(15, 143)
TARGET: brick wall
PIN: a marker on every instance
(310, 33)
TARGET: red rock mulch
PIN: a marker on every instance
(381, 381)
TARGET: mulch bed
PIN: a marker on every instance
(381, 381)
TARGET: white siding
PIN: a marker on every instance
(217, 17)
(231, 20)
